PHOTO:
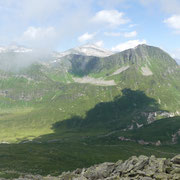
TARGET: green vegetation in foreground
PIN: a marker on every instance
(54, 158)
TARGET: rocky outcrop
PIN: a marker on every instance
(140, 168)
(153, 116)
(140, 141)
(175, 137)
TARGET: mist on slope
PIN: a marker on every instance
(178, 61)
(15, 61)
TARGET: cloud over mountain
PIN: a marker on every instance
(128, 45)
(112, 18)
(86, 37)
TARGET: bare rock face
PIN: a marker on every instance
(140, 168)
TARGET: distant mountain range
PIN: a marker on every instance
(85, 50)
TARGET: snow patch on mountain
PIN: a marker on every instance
(95, 81)
(86, 50)
(146, 71)
(120, 70)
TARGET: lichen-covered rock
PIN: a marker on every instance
(176, 159)
(142, 168)
(99, 172)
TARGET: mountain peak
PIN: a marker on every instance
(146, 47)
(93, 50)
(143, 51)
(86, 50)
(142, 45)
(88, 45)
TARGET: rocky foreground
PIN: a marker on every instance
(142, 168)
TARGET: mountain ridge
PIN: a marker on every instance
(85, 50)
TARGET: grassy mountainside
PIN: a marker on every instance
(50, 115)
(33, 99)
(144, 68)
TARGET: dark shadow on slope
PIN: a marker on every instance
(124, 111)
(84, 65)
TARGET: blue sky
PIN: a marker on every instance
(112, 24)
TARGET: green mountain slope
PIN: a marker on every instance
(146, 68)
(146, 82)
(81, 110)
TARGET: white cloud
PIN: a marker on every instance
(111, 3)
(178, 61)
(86, 37)
(38, 36)
(115, 34)
(38, 33)
(40, 8)
(132, 25)
(169, 6)
(173, 22)
(44, 9)
(68, 17)
(128, 45)
(176, 54)
(177, 32)
(32, 9)
(124, 34)
(130, 34)
(99, 43)
(112, 18)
